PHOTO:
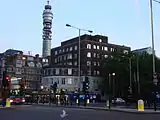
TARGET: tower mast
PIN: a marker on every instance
(47, 30)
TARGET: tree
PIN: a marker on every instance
(141, 78)
(118, 63)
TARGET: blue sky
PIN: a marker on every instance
(124, 21)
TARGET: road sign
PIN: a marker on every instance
(155, 80)
(154, 76)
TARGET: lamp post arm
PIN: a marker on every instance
(156, 1)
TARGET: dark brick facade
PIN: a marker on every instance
(93, 50)
(26, 67)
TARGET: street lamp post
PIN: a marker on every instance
(152, 33)
(79, 44)
(138, 81)
(114, 84)
(130, 75)
(153, 51)
(109, 97)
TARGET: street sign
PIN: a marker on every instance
(155, 80)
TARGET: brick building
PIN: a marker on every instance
(63, 67)
(20, 67)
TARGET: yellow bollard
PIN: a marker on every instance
(58, 97)
(107, 103)
(87, 101)
(140, 105)
(77, 101)
(8, 104)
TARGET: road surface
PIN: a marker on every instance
(50, 113)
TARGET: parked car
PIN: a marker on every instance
(118, 101)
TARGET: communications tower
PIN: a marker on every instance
(47, 30)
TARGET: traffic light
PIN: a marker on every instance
(54, 87)
(86, 84)
(6, 79)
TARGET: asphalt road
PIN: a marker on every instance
(50, 113)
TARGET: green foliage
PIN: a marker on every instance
(119, 64)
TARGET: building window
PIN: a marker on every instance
(88, 63)
(51, 71)
(105, 48)
(106, 56)
(63, 81)
(89, 72)
(69, 71)
(67, 49)
(69, 56)
(98, 56)
(60, 51)
(56, 52)
(70, 48)
(60, 58)
(88, 54)
(94, 54)
(88, 46)
(125, 51)
(94, 46)
(98, 47)
(18, 70)
(75, 47)
(70, 81)
(51, 81)
(98, 73)
(75, 63)
(98, 64)
(63, 50)
(100, 40)
(75, 56)
(94, 63)
(102, 48)
(75, 80)
(57, 71)
(69, 63)
(94, 72)
(64, 57)
(57, 80)
(112, 49)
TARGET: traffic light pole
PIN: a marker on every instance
(50, 96)
(109, 91)
(85, 89)
(85, 98)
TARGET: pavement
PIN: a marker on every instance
(117, 108)
(95, 106)
(53, 113)
(4, 107)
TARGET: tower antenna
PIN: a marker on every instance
(48, 2)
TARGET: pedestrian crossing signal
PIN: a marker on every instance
(86, 84)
